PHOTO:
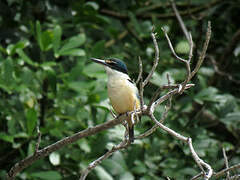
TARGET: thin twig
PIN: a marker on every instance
(18, 167)
(157, 92)
(140, 69)
(203, 53)
(222, 172)
(187, 62)
(171, 47)
(164, 116)
(156, 60)
(170, 131)
(38, 141)
(197, 176)
(173, 86)
(179, 18)
(235, 177)
(166, 96)
(112, 113)
(226, 162)
(199, 161)
(141, 94)
(148, 132)
(93, 164)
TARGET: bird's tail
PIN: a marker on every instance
(131, 133)
(130, 129)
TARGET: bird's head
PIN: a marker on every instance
(112, 65)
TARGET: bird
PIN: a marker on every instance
(122, 91)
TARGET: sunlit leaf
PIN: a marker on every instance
(102, 173)
(72, 52)
(55, 158)
(25, 58)
(72, 43)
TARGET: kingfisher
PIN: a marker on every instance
(122, 91)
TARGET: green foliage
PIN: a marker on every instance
(47, 79)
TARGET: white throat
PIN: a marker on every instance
(112, 74)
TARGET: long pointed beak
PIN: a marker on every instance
(99, 61)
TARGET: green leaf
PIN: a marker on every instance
(47, 175)
(25, 58)
(83, 144)
(113, 166)
(11, 49)
(160, 80)
(126, 175)
(94, 5)
(73, 42)
(57, 34)
(94, 70)
(232, 119)
(72, 52)
(102, 173)
(31, 116)
(8, 72)
(46, 38)
(39, 35)
(81, 86)
(7, 138)
(118, 157)
(208, 94)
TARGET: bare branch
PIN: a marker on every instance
(59, 144)
(197, 176)
(38, 141)
(203, 53)
(140, 69)
(148, 132)
(93, 164)
(156, 94)
(164, 116)
(170, 131)
(141, 94)
(113, 114)
(226, 162)
(156, 60)
(166, 96)
(200, 162)
(222, 172)
(171, 47)
(179, 18)
(187, 62)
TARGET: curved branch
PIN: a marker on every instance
(156, 59)
(59, 144)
